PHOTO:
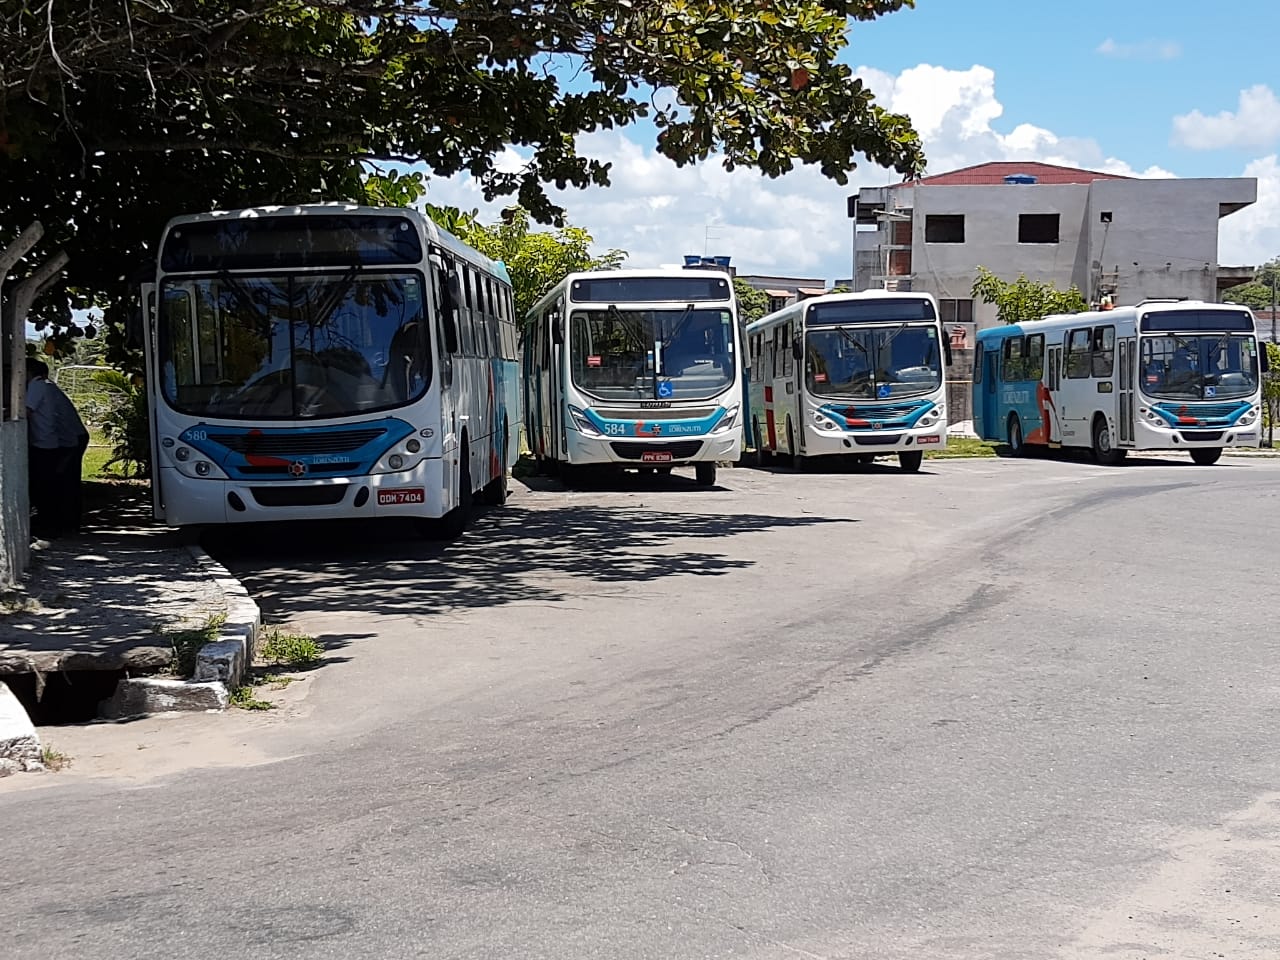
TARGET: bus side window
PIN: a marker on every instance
(773, 351)
(1077, 360)
(978, 361)
(1033, 363)
(1104, 351)
(1011, 365)
(447, 281)
(787, 362)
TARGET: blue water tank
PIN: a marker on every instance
(722, 261)
(692, 260)
(1020, 178)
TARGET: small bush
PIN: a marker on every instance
(293, 649)
(187, 643)
(246, 699)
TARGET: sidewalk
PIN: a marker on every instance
(103, 600)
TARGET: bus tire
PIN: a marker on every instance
(1103, 450)
(705, 473)
(1017, 444)
(910, 460)
(757, 440)
(791, 445)
(495, 491)
(454, 523)
(1205, 456)
(189, 534)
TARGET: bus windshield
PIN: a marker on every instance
(1199, 366)
(870, 363)
(648, 354)
(293, 346)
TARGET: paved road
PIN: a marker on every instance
(1001, 709)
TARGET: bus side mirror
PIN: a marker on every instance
(1264, 359)
(557, 328)
(797, 349)
(946, 350)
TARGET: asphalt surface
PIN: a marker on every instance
(999, 709)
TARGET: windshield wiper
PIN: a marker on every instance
(871, 366)
(238, 291)
(337, 294)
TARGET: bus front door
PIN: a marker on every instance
(992, 428)
(1125, 412)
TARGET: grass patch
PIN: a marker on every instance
(13, 601)
(293, 649)
(961, 447)
(187, 643)
(246, 699)
(54, 759)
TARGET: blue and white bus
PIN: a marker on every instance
(1162, 375)
(850, 374)
(328, 361)
(634, 369)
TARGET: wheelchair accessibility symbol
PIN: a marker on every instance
(666, 390)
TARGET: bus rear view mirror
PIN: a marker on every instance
(1264, 359)
(449, 296)
(797, 349)
(946, 350)
(133, 326)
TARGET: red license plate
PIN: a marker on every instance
(394, 497)
(928, 439)
(656, 456)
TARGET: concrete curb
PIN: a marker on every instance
(220, 665)
(19, 744)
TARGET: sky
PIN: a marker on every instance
(1150, 88)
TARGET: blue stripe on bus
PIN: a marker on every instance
(858, 416)
(655, 428)
(1193, 413)
(266, 453)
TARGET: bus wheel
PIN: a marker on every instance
(910, 460)
(1103, 451)
(757, 440)
(1206, 456)
(1016, 447)
(705, 474)
(791, 445)
(495, 491)
(455, 521)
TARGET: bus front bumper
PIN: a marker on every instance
(655, 452)
(419, 492)
(1149, 436)
(820, 443)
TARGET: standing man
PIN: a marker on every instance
(57, 439)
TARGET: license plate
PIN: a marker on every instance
(927, 439)
(656, 456)
(395, 497)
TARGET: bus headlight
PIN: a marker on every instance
(1250, 417)
(584, 425)
(203, 468)
(395, 461)
(930, 418)
(823, 422)
(728, 420)
(413, 446)
(182, 454)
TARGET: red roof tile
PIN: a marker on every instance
(994, 174)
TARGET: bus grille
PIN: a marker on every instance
(295, 495)
(1201, 434)
(681, 450)
(282, 470)
(875, 439)
(284, 444)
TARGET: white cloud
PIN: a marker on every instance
(1252, 236)
(1141, 50)
(1256, 123)
(797, 225)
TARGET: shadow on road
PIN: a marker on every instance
(509, 555)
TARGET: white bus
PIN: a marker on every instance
(1162, 375)
(850, 374)
(634, 369)
(327, 361)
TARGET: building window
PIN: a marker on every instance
(1038, 228)
(944, 228)
(955, 311)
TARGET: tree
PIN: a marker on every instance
(116, 116)
(1024, 299)
(1271, 392)
(752, 303)
(536, 260)
(1259, 293)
